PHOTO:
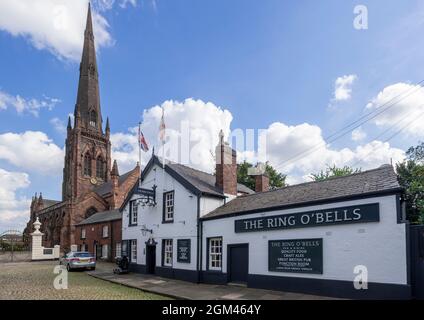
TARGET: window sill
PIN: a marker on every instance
(167, 221)
(132, 225)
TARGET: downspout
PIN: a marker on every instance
(199, 240)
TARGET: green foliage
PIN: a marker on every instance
(276, 179)
(333, 171)
(416, 154)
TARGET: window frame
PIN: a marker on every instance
(118, 244)
(133, 253)
(107, 251)
(166, 219)
(165, 252)
(87, 165)
(83, 233)
(131, 215)
(105, 227)
(209, 256)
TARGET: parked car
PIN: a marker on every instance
(78, 260)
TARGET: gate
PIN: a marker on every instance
(14, 246)
(417, 261)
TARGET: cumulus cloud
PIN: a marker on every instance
(53, 25)
(14, 209)
(192, 129)
(404, 105)
(358, 134)
(343, 87)
(301, 150)
(23, 105)
(33, 151)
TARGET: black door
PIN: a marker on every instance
(238, 262)
(150, 259)
(417, 261)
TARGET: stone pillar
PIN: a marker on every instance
(37, 236)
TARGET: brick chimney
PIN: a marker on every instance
(226, 167)
(261, 183)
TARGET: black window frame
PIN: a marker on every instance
(208, 253)
(163, 253)
(130, 216)
(164, 206)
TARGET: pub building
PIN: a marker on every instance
(315, 238)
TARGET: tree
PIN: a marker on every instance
(333, 171)
(411, 177)
(276, 179)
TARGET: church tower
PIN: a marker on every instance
(88, 148)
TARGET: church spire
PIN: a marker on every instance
(88, 99)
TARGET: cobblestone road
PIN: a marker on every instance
(34, 280)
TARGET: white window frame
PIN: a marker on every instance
(105, 251)
(118, 249)
(83, 233)
(167, 252)
(215, 254)
(134, 251)
(134, 213)
(105, 231)
(169, 204)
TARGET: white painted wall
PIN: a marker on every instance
(381, 246)
(185, 219)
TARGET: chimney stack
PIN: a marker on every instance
(261, 177)
(226, 167)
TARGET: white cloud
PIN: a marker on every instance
(14, 209)
(404, 105)
(204, 121)
(358, 134)
(343, 87)
(23, 105)
(125, 3)
(54, 25)
(289, 149)
(58, 125)
(32, 151)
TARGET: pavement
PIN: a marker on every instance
(192, 291)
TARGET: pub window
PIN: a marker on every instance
(83, 233)
(134, 251)
(105, 231)
(167, 252)
(133, 213)
(168, 206)
(87, 165)
(215, 254)
(118, 250)
(93, 118)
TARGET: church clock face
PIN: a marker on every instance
(93, 181)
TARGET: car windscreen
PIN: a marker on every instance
(82, 254)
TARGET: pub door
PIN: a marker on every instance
(150, 258)
(238, 263)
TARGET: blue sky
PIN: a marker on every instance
(266, 62)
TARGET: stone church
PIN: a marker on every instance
(91, 184)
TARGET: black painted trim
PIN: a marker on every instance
(307, 204)
(214, 277)
(164, 206)
(229, 247)
(130, 215)
(330, 288)
(163, 254)
(171, 273)
(208, 255)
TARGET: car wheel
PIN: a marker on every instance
(94, 268)
(68, 268)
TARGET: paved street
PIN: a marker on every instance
(34, 280)
(192, 291)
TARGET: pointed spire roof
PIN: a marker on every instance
(115, 171)
(88, 99)
(107, 124)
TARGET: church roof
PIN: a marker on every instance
(106, 187)
(104, 216)
(378, 181)
(48, 203)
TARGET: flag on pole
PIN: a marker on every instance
(142, 141)
(162, 127)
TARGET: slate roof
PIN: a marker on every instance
(106, 187)
(378, 180)
(104, 216)
(48, 203)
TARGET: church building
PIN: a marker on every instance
(91, 185)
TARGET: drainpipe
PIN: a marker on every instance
(199, 240)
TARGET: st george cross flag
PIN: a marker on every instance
(142, 141)
(162, 127)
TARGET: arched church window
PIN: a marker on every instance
(93, 118)
(100, 168)
(87, 165)
(90, 212)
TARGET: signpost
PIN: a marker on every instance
(183, 250)
(342, 215)
(297, 256)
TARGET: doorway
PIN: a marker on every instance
(150, 258)
(238, 263)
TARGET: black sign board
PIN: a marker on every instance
(183, 250)
(341, 215)
(298, 256)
